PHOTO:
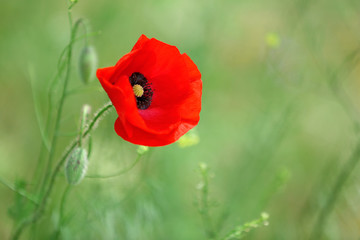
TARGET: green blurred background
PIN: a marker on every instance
(280, 100)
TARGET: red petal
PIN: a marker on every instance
(191, 108)
(142, 137)
(193, 71)
(140, 42)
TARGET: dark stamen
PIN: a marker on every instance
(144, 101)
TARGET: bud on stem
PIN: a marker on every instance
(87, 63)
(76, 166)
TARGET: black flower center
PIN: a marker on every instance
(142, 90)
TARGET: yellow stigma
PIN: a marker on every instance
(138, 90)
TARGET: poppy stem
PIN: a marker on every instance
(39, 211)
(204, 204)
(62, 210)
(53, 145)
(85, 112)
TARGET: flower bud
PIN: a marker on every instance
(87, 63)
(76, 166)
(142, 149)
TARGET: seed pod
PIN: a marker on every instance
(87, 63)
(76, 166)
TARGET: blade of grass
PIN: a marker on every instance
(37, 110)
(20, 192)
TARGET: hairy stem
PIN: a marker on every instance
(61, 103)
(39, 211)
(204, 206)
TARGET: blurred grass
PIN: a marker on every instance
(272, 131)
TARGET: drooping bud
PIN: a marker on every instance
(87, 64)
(76, 166)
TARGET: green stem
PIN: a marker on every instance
(62, 204)
(204, 207)
(43, 147)
(62, 210)
(118, 173)
(345, 172)
(39, 211)
(85, 36)
(85, 112)
(62, 100)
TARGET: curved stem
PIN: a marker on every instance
(84, 36)
(39, 211)
(118, 173)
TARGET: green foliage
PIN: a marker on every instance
(21, 207)
(205, 205)
(279, 121)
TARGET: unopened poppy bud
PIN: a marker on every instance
(88, 63)
(76, 166)
(142, 150)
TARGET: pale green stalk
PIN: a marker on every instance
(204, 206)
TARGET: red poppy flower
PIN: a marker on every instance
(156, 92)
